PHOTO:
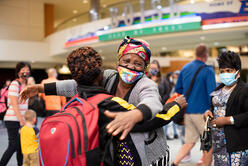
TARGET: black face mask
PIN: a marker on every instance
(25, 75)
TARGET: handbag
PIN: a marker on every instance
(206, 137)
(179, 119)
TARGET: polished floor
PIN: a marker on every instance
(174, 147)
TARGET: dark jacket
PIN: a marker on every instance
(237, 106)
(116, 104)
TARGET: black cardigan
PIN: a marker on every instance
(237, 106)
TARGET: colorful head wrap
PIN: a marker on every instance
(136, 46)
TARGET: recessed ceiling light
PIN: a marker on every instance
(216, 43)
(164, 48)
(85, 1)
(104, 5)
(74, 11)
(202, 37)
(74, 20)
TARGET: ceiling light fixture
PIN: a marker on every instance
(202, 37)
(74, 11)
(216, 43)
(74, 20)
(164, 48)
(64, 70)
(85, 1)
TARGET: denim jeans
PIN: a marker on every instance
(13, 144)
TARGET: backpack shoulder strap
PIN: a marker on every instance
(193, 80)
(98, 98)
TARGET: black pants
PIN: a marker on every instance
(14, 143)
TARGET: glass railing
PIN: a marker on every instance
(104, 11)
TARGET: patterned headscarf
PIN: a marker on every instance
(136, 46)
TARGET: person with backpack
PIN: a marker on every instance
(141, 92)
(14, 115)
(85, 65)
(196, 81)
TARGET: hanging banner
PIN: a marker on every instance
(160, 20)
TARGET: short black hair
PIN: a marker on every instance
(229, 59)
(85, 65)
(21, 65)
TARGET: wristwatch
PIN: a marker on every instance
(232, 120)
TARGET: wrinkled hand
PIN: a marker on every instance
(123, 122)
(208, 114)
(29, 91)
(181, 100)
(220, 122)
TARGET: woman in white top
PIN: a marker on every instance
(14, 115)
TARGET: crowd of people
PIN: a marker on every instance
(143, 103)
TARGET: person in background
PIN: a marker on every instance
(173, 80)
(229, 114)
(36, 103)
(29, 140)
(4, 100)
(7, 83)
(198, 100)
(170, 78)
(163, 84)
(53, 104)
(14, 115)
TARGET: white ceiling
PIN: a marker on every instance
(63, 9)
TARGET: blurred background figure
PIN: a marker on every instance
(163, 84)
(36, 103)
(53, 104)
(171, 78)
(4, 100)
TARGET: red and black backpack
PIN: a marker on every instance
(71, 137)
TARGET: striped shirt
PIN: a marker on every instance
(14, 90)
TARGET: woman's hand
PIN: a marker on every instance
(208, 114)
(22, 123)
(181, 100)
(123, 122)
(31, 91)
(220, 122)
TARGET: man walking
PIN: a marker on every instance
(198, 100)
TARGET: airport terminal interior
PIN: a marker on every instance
(44, 32)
